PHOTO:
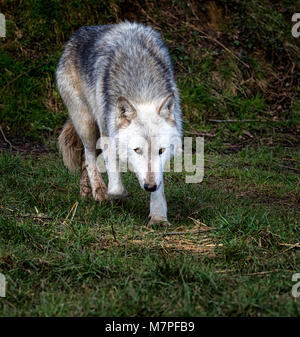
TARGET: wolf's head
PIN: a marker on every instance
(147, 138)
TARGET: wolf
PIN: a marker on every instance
(117, 82)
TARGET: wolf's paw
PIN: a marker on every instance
(85, 191)
(118, 197)
(85, 186)
(156, 220)
(101, 194)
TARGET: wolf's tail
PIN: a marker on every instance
(70, 146)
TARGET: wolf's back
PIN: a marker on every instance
(129, 58)
(125, 59)
(139, 67)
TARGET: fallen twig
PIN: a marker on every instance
(6, 140)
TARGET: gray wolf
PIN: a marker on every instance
(117, 83)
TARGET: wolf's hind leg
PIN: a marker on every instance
(85, 185)
(88, 132)
(99, 189)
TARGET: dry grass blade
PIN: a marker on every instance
(202, 224)
(185, 233)
(237, 120)
(290, 246)
(186, 245)
(289, 168)
(73, 209)
(38, 216)
(263, 272)
(181, 241)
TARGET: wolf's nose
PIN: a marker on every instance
(150, 187)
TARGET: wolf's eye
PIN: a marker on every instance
(138, 150)
(162, 150)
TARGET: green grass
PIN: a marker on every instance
(57, 267)
(234, 60)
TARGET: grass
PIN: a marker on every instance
(241, 265)
(239, 241)
(233, 59)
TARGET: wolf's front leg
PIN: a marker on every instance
(116, 189)
(85, 186)
(158, 207)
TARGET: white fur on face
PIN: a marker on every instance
(142, 140)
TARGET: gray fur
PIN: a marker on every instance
(103, 71)
(126, 59)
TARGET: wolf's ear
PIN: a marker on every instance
(166, 108)
(126, 111)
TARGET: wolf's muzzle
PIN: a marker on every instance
(150, 187)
